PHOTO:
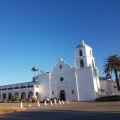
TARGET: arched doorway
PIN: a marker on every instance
(62, 95)
(0, 96)
(16, 94)
(30, 95)
(37, 95)
(4, 96)
(23, 95)
(9, 96)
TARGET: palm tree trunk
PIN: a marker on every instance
(117, 80)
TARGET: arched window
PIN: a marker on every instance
(52, 92)
(73, 92)
(60, 66)
(80, 53)
(61, 79)
(81, 63)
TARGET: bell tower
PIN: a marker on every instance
(87, 78)
(83, 56)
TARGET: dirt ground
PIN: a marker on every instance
(72, 106)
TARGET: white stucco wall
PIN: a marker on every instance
(68, 84)
(86, 86)
(108, 86)
(43, 80)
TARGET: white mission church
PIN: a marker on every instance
(79, 83)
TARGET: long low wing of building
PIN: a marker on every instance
(26, 90)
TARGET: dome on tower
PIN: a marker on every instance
(82, 44)
(60, 59)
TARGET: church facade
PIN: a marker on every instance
(78, 83)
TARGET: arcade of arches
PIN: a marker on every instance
(21, 95)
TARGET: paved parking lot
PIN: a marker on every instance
(76, 111)
(57, 115)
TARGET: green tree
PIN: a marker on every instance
(34, 69)
(15, 98)
(112, 64)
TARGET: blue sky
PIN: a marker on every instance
(38, 32)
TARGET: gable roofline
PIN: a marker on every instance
(60, 59)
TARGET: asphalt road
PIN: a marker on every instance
(72, 111)
(61, 115)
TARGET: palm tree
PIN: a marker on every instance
(34, 70)
(112, 64)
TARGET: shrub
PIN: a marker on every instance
(29, 100)
(15, 99)
(4, 101)
(34, 99)
(109, 98)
